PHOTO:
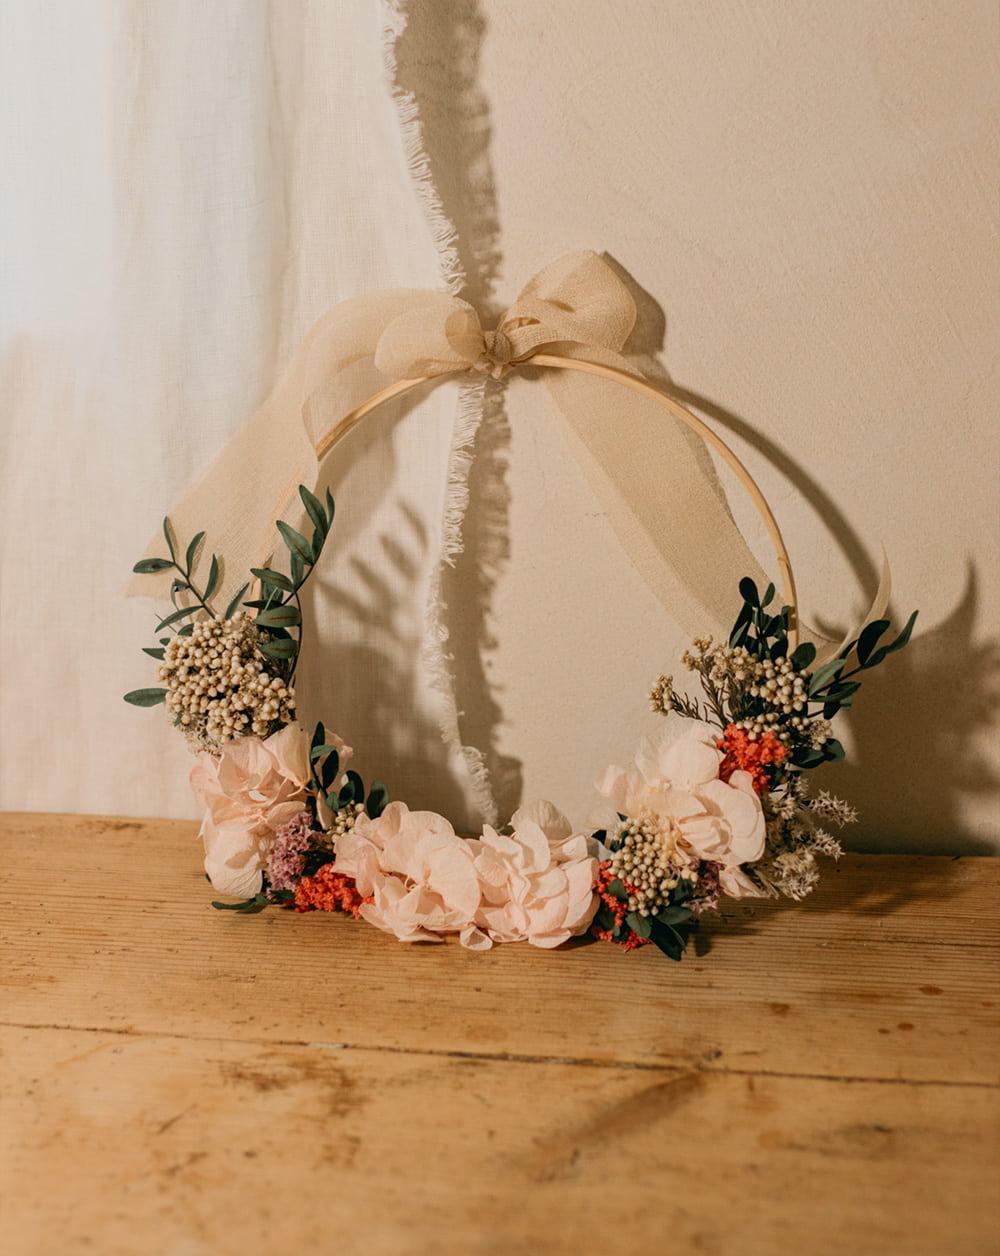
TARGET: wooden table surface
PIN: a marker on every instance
(816, 1078)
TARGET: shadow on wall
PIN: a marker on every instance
(437, 59)
(920, 720)
(920, 729)
(923, 720)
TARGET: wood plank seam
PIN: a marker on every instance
(687, 1068)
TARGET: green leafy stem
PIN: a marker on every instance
(832, 687)
(279, 608)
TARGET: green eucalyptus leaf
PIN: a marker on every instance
(286, 649)
(267, 575)
(296, 542)
(377, 800)
(147, 566)
(354, 790)
(317, 752)
(319, 736)
(617, 890)
(175, 616)
(673, 915)
(869, 639)
(903, 637)
(330, 506)
(213, 577)
(748, 592)
(186, 631)
(287, 616)
(234, 605)
(146, 697)
(824, 675)
(169, 538)
(833, 751)
(153, 653)
(247, 907)
(297, 568)
(330, 770)
(670, 942)
(332, 801)
(314, 509)
(640, 925)
(192, 552)
(768, 595)
(803, 656)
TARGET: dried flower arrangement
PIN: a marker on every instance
(717, 806)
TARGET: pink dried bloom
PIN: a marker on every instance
(287, 856)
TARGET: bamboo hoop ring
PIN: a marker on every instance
(637, 385)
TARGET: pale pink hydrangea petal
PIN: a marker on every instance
(549, 819)
(543, 865)
(250, 789)
(474, 939)
(234, 859)
(420, 871)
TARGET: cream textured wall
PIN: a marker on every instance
(807, 196)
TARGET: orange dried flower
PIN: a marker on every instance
(329, 890)
(741, 754)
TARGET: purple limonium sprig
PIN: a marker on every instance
(286, 858)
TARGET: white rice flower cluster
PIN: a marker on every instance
(344, 821)
(775, 683)
(219, 686)
(649, 861)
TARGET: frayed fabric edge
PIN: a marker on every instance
(437, 658)
(438, 661)
(443, 231)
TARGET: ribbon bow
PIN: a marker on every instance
(576, 300)
(656, 484)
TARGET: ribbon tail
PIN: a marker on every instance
(661, 494)
(829, 650)
(254, 480)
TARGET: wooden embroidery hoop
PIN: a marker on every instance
(644, 389)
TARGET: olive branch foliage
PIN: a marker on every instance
(278, 608)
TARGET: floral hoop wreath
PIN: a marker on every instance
(718, 806)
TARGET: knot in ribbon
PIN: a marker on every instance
(498, 358)
(578, 299)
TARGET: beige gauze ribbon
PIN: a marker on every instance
(656, 483)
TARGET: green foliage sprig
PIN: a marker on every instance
(324, 762)
(278, 609)
(831, 688)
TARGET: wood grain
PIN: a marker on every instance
(814, 1079)
(215, 1146)
(877, 976)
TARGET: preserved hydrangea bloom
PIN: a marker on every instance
(419, 873)
(538, 884)
(676, 779)
(249, 790)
